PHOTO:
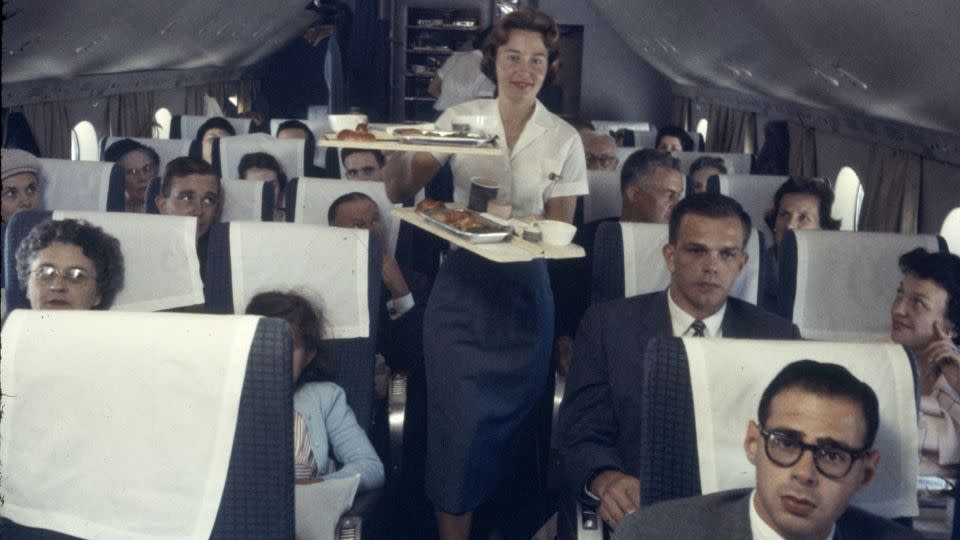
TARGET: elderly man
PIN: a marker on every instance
(601, 151)
(21, 184)
(651, 185)
(809, 406)
(600, 415)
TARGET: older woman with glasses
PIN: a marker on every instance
(139, 164)
(70, 264)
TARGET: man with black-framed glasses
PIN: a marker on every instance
(812, 446)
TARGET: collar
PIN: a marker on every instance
(762, 531)
(681, 320)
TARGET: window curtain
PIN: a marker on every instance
(220, 91)
(803, 151)
(730, 130)
(682, 112)
(891, 199)
(131, 115)
(51, 128)
(247, 91)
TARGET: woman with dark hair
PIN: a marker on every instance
(264, 167)
(799, 203)
(925, 318)
(70, 264)
(488, 327)
(325, 430)
(214, 128)
(139, 164)
(702, 169)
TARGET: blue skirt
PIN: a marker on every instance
(488, 337)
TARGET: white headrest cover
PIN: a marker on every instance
(189, 124)
(736, 163)
(326, 264)
(114, 422)
(74, 185)
(242, 200)
(604, 200)
(289, 152)
(846, 282)
(755, 194)
(161, 268)
(167, 149)
(728, 376)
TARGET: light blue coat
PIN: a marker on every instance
(334, 433)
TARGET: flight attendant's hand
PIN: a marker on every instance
(619, 495)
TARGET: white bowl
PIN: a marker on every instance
(340, 122)
(556, 233)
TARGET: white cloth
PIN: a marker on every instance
(462, 80)
(846, 282)
(727, 377)
(315, 195)
(167, 149)
(682, 321)
(605, 199)
(242, 200)
(736, 163)
(74, 185)
(109, 437)
(161, 268)
(288, 152)
(645, 270)
(318, 506)
(548, 147)
(189, 124)
(755, 194)
(326, 264)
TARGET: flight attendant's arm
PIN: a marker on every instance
(405, 174)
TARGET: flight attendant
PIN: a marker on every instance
(488, 327)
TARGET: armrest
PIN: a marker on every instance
(560, 383)
(366, 506)
(396, 412)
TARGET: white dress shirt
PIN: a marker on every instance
(762, 531)
(681, 320)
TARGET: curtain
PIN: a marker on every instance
(682, 112)
(730, 130)
(51, 128)
(891, 199)
(193, 101)
(247, 91)
(803, 151)
(131, 115)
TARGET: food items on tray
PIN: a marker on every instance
(466, 221)
(408, 131)
(430, 204)
(361, 133)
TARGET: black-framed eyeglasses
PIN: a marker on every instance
(831, 460)
(74, 275)
(146, 170)
(602, 160)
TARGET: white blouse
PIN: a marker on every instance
(547, 160)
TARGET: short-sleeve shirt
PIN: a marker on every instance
(462, 80)
(547, 160)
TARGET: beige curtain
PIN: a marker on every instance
(131, 115)
(730, 130)
(803, 151)
(891, 199)
(193, 101)
(246, 93)
(682, 112)
(51, 127)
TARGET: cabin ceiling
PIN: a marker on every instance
(906, 52)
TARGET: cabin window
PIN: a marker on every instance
(950, 230)
(161, 125)
(849, 198)
(234, 100)
(83, 142)
(702, 129)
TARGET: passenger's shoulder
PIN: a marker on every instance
(322, 392)
(769, 322)
(857, 523)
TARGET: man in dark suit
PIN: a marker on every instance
(811, 406)
(600, 415)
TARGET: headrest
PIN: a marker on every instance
(318, 127)
(755, 194)
(326, 264)
(161, 268)
(605, 199)
(107, 434)
(736, 163)
(75, 185)
(188, 125)
(288, 152)
(728, 376)
(839, 285)
(18, 161)
(166, 149)
(247, 200)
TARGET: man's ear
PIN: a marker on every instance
(752, 442)
(668, 252)
(632, 192)
(870, 462)
(160, 201)
(743, 260)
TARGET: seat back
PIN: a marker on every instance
(200, 428)
(167, 149)
(839, 285)
(604, 126)
(243, 200)
(338, 269)
(161, 268)
(309, 200)
(228, 151)
(81, 185)
(698, 395)
(736, 163)
(950, 230)
(755, 194)
(628, 260)
(185, 126)
(604, 199)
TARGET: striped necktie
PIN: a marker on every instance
(698, 328)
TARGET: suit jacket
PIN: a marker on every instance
(600, 414)
(726, 514)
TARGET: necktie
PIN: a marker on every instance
(698, 328)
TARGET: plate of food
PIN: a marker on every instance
(360, 134)
(438, 137)
(465, 223)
